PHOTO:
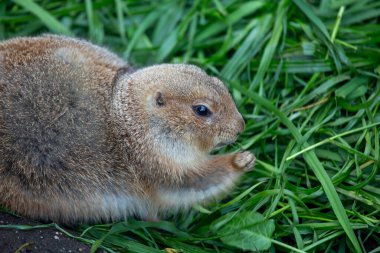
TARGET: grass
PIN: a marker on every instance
(305, 75)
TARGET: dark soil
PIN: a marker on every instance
(35, 240)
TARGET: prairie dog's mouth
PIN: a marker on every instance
(223, 144)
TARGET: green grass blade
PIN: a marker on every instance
(305, 8)
(147, 22)
(272, 44)
(330, 139)
(315, 165)
(50, 21)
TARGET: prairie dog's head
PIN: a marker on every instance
(181, 103)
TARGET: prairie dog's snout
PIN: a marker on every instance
(82, 139)
(241, 125)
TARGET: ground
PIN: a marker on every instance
(35, 240)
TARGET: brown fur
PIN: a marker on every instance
(85, 138)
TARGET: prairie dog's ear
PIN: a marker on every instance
(160, 101)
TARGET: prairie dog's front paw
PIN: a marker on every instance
(244, 161)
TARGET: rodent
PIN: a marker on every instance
(86, 138)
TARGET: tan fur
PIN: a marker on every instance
(84, 138)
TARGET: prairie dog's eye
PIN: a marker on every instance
(202, 110)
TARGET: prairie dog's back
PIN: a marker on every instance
(54, 99)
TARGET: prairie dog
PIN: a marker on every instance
(85, 138)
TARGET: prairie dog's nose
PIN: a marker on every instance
(241, 124)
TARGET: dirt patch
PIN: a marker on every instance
(36, 240)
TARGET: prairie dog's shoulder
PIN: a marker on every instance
(70, 48)
(54, 47)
